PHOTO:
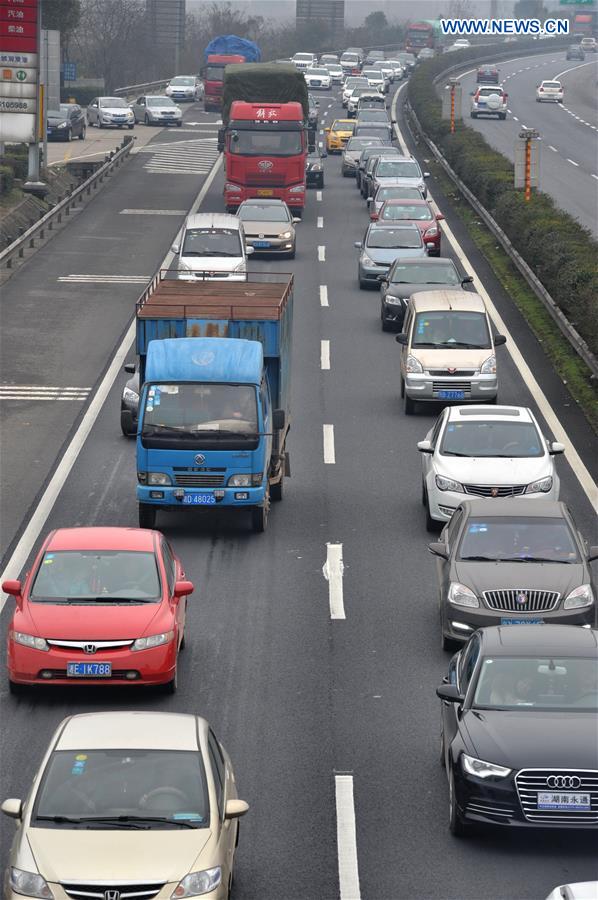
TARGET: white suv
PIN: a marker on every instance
(489, 100)
(304, 61)
(212, 248)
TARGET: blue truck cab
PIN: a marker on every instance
(213, 418)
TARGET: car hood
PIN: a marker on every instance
(165, 855)
(99, 622)
(115, 110)
(405, 290)
(493, 471)
(458, 358)
(210, 263)
(168, 109)
(56, 120)
(253, 229)
(388, 256)
(489, 576)
(533, 738)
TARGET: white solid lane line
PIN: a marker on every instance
(322, 253)
(103, 279)
(552, 420)
(572, 69)
(594, 176)
(325, 355)
(328, 439)
(320, 222)
(550, 147)
(332, 570)
(572, 161)
(153, 212)
(346, 839)
(323, 295)
(46, 503)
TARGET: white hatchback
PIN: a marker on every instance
(476, 451)
(550, 91)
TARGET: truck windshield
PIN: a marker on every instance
(215, 73)
(191, 409)
(266, 142)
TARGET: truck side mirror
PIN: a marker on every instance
(221, 134)
(130, 368)
(278, 419)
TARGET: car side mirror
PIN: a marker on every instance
(13, 588)
(438, 548)
(295, 219)
(358, 245)
(467, 279)
(499, 340)
(278, 419)
(592, 554)
(130, 368)
(234, 809)
(249, 250)
(439, 217)
(426, 174)
(183, 588)
(12, 808)
(383, 279)
(555, 448)
(425, 446)
(450, 693)
(221, 134)
(175, 248)
(402, 338)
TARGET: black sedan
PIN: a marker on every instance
(406, 277)
(66, 122)
(505, 563)
(314, 111)
(314, 169)
(519, 733)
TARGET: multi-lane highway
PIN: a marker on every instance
(569, 131)
(327, 720)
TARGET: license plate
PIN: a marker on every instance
(567, 800)
(451, 395)
(261, 243)
(515, 621)
(199, 499)
(89, 670)
(265, 192)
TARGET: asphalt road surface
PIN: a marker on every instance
(299, 699)
(569, 131)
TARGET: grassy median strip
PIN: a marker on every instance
(570, 367)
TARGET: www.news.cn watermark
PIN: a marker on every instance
(460, 27)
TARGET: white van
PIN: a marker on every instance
(212, 248)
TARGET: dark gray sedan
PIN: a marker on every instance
(353, 149)
(406, 277)
(383, 244)
(512, 562)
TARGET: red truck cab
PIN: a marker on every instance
(214, 77)
(265, 151)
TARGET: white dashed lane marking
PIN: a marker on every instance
(319, 196)
(31, 392)
(325, 355)
(322, 253)
(346, 837)
(320, 222)
(323, 295)
(572, 161)
(332, 570)
(328, 439)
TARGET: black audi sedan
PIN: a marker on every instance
(519, 733)
(506, 563)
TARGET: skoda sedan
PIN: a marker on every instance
(519, 723)
(99, 606)
(137, 805)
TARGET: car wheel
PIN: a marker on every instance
(83, 133)
(457, 826)
(69, 135)
(492, 402)
(131, 127)
(424, 495)
(259, 517)
(100, 124)
(363, 285)
(147, 120)
(448, 643)
(409, 406)
(126, 423)
(147, 515)
(402, 388)
(277, 491)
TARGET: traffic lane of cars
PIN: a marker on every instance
(388, 651)
(86, 318)
(256, 661)
(570, 184)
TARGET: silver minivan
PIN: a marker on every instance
(212, 247)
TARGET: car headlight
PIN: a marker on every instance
(130, 396)
(298, 189)
(413, 365)
(460, 595)
(197, 883)
(234, 188)
(29, 640)
(448, 484)
(241, 480)
(130, 114)
(158, 478)
(581, 596)
(390, 298)
(30, 884)
(488, 367)
(153, 640)
(315, 167)
(285, 235)
(366, 260)
(432, 231)
(482, 769)
(541, 486)
(63, 125)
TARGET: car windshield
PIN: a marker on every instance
(372, 115)
(358, 143)
(96, 575)
(372, 74)
(423, 274)
(112, 103)
(451, 328)
(391, 238)
(200, 408)
(506, 440)
(263, 212)
(118, 788)
(269, 143)
(398, 168)
(159, 101)
(339, 125)
(212, 242)
(183, 80)
(518, 539)
(419, 213)
(556, 683)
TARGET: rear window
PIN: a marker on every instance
(556, 85)
(390, 238)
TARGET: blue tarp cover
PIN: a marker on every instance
(204, 359)
(230, 44)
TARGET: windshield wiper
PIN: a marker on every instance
(543, 559)
(463, 344)
(455, 453)
(135, 821)
(60, 820)
(102, 598)
(482, 558)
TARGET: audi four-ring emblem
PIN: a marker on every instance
(564, 782)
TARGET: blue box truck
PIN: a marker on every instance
(214, 402)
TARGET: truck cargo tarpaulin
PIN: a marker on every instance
(263, 83)
(231, 45)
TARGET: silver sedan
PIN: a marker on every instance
(154, 110)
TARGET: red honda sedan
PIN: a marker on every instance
(420, 213)
(99, 606)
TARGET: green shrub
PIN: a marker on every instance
(7, 180)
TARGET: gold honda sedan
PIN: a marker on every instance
(134, 805)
